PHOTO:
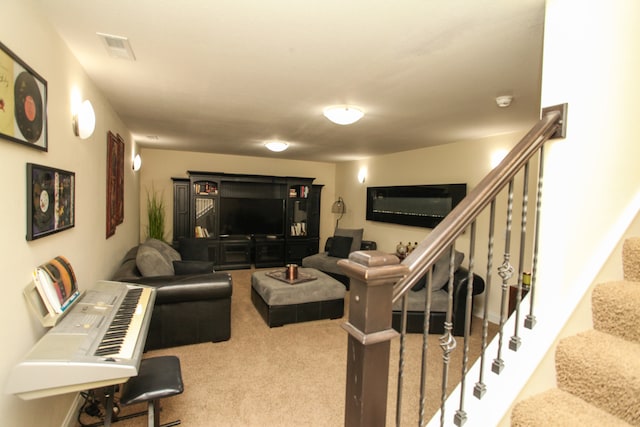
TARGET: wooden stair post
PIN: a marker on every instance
(372, 275)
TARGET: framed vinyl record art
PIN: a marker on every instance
(23, 102)
(50, 200)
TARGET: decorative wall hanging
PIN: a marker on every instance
(50, 200)
(23, 102)
(115, 182)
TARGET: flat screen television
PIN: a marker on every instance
(416, 205)
(250, 217)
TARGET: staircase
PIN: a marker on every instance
(597, 371)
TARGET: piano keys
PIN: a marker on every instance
(98, 343)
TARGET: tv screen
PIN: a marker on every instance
(247, 216)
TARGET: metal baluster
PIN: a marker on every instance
(425, 346)
(447, 340)
(515, 341)
(461, 415)
(480, 387)
(403, 336)
(530, 320)
(505, 271)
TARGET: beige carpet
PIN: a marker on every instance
(288, 376)
(598, 371)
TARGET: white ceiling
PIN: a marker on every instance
(222, 76)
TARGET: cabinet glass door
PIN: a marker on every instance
(298, 218)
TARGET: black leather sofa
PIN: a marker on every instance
(415, 312)
(328, 264)
(189, 308)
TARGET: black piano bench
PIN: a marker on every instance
(157, 377)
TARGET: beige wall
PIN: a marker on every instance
(159, 166)
(91, 254)
(464, 162)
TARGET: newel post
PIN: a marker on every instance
(372, 275)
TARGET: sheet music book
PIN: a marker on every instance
(56, 283)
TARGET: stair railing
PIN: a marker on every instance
(378, 280)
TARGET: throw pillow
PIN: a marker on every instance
(355, 234)
(164, 248)
(192, 267)
(440, 276)
(151, 262)
(340, 247)
(194, 249)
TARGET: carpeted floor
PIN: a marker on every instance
(288, 376)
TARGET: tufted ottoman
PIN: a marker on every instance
(280, 303)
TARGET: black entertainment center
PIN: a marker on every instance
(264, 220)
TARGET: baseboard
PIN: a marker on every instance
(71, 419)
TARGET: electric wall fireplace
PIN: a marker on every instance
(416, 205)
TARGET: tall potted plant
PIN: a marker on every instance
(155, 214)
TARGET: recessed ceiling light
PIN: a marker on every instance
(276, 146)
(343, 114)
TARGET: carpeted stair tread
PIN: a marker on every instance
(603, 370)
(615, 307)
(556, 407)
(631, 259)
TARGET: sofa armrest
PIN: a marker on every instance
(195, 287)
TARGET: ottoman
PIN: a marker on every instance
(280, 303)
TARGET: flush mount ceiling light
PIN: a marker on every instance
(276, 146)
(343, 114)
(504, 101)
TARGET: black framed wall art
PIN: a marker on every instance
(50, 200)
(23, 102)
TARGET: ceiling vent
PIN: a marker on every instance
(117, 46)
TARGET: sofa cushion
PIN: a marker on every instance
(355, 234)
(165, 249)
(192, 267)
(323, 262)
(151, 262)
(416, 301)
(440, 275)
(341, 247)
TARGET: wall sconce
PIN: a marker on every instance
(137, 163)
(497, 157)
(84, 120)
(362, 175)
(340, 208)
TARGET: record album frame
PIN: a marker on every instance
(50, 200)
(23, 102)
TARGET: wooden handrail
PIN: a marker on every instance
(454, 224)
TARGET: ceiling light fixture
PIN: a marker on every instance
(343, 114)
(276, 146)
(504, 101)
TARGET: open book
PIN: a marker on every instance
(56, 283)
